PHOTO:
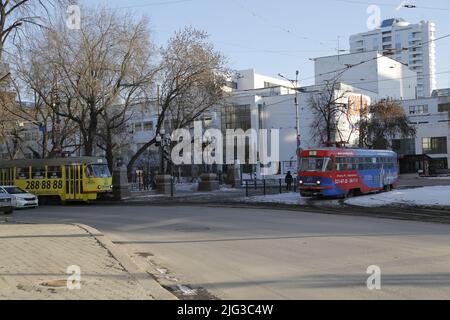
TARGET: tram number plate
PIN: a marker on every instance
(44, 185)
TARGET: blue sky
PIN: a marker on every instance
(281, 36)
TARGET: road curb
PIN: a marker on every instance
(143, 278)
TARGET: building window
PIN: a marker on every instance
(236, 117)
(444, 107)
(419, 109)
(404, 146)
(138, 127)
(439, 164)
(148, 126)
(434, 145)
(269, 85)
(232, 85)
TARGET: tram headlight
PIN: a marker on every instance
(319, 182)
(300, 182)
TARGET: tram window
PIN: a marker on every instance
(101, 171)
(54, 173)
(23, 173)
(38, 173)
(5, 174)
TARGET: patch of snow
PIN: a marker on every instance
(187, 291)
(427, 196)
(162, 270)
(186, 187)
(285, 198)
(228, 189)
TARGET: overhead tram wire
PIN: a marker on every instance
(376, 58)
(381, 4)
(152, 4)
(282, 28)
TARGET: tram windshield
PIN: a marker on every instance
(316, 164)
(98, 171)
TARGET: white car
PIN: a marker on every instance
(23, 199)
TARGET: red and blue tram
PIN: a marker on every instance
(346, 172)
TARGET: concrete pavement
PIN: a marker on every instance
(39, 261)
(273, 254)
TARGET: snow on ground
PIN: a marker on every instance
(428, 196)
(285, 198)
(186, 187)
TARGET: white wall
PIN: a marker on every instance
(364, 75)
(396, 81)
(371, 71)
(249, 80)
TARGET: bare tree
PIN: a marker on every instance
(386, 121)
(97, 73)
(35, 97)
(10, 132)
(328, 111)
(15, 15)
(192, 78)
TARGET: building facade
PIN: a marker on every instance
(431, 117)
(273, 108)
(370, 71)
(411, 44)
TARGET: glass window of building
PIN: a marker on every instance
(444, 107)
(419, 109)
(437, 145)
(148, 126)
(138, 127)
(236, 117)
(404, 146)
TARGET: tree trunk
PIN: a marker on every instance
(138, 154)
(109, 151)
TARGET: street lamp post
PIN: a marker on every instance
(163, 141)
(164, 183)
(295, 84)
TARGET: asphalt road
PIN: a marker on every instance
(270, 254)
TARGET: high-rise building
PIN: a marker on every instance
(411, 44)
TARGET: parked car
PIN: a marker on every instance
(7, 202)
(23, 199)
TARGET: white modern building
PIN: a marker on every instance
(371, 71)
(249, 80)
(411, 44)
(431, 117)
(273, 108)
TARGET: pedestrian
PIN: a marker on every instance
(146, 181)
(289, 181)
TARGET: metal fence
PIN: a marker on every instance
(142, 182)
(272, 186)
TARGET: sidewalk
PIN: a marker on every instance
(34, 260)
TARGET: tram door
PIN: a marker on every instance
(7, 177)
(74, 182)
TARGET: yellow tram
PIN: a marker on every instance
(69, 179)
